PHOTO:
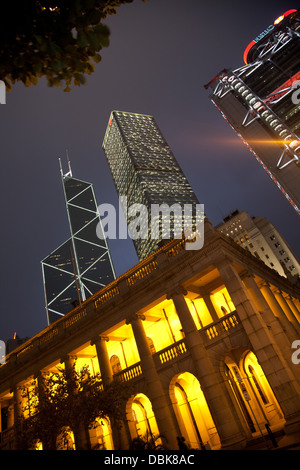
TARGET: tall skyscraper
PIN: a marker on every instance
(261, 102)
(82, 265)
(146, 172)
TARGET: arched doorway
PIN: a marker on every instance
(101, 435)
(192, 413)
(65, 439)
(142, 422)
(252, 393)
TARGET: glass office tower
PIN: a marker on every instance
(82, 265)
(261, 102)
(146, 172)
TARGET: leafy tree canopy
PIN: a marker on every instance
(56, 39)
(67, 399)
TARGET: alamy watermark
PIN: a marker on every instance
(2, 92)
(164, 221)
(296, 354)
(2, 352)
(296, 93)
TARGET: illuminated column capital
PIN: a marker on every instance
(68, 361)
(134, 317)
(177, 291)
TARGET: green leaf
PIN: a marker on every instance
(97, 58)
(82, 39)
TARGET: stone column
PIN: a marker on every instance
(277, 310)
(294, 308)
(103, 359)
(81, 436)
(272, 322)
(17, 413)
(68, 362)
(10, 416)
(288, 312)
(223, 413)
(155, 391)
(276, 369)
(297, 303)
(48, 439)
(119, 429)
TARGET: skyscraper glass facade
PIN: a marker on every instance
(146, 172)
(261, 102)
(82, 265)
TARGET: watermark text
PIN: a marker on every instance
(2, 352)
(296, 354)
(2, 92)
(296, 93)
(158, 222)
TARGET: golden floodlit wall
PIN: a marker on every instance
(204, 338)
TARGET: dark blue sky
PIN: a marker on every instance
(161, 54)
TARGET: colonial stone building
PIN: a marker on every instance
(204, 336)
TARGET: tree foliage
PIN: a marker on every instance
(57, 39)
(67, 400)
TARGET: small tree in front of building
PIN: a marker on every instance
(65, 401)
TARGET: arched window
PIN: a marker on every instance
(258, 385)
(193, 415)
(101, 435)
(65, 439)
(115, 364)
(151, 345)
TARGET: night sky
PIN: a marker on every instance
(161, 54)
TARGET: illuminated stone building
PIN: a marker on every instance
(260, 101)
(263, 240)
(198, 333)
(146, 172)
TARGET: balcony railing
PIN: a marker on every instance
(171, 352)
(7, 438)
(221, 327)
(130, 373)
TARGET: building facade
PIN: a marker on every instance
(145, 172)
(261, 103)
(82, 265)
(263, 240)
(203, 336)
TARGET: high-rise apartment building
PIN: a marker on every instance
(259, 236)
(146, 172)
(260, 101)
(82, 265)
